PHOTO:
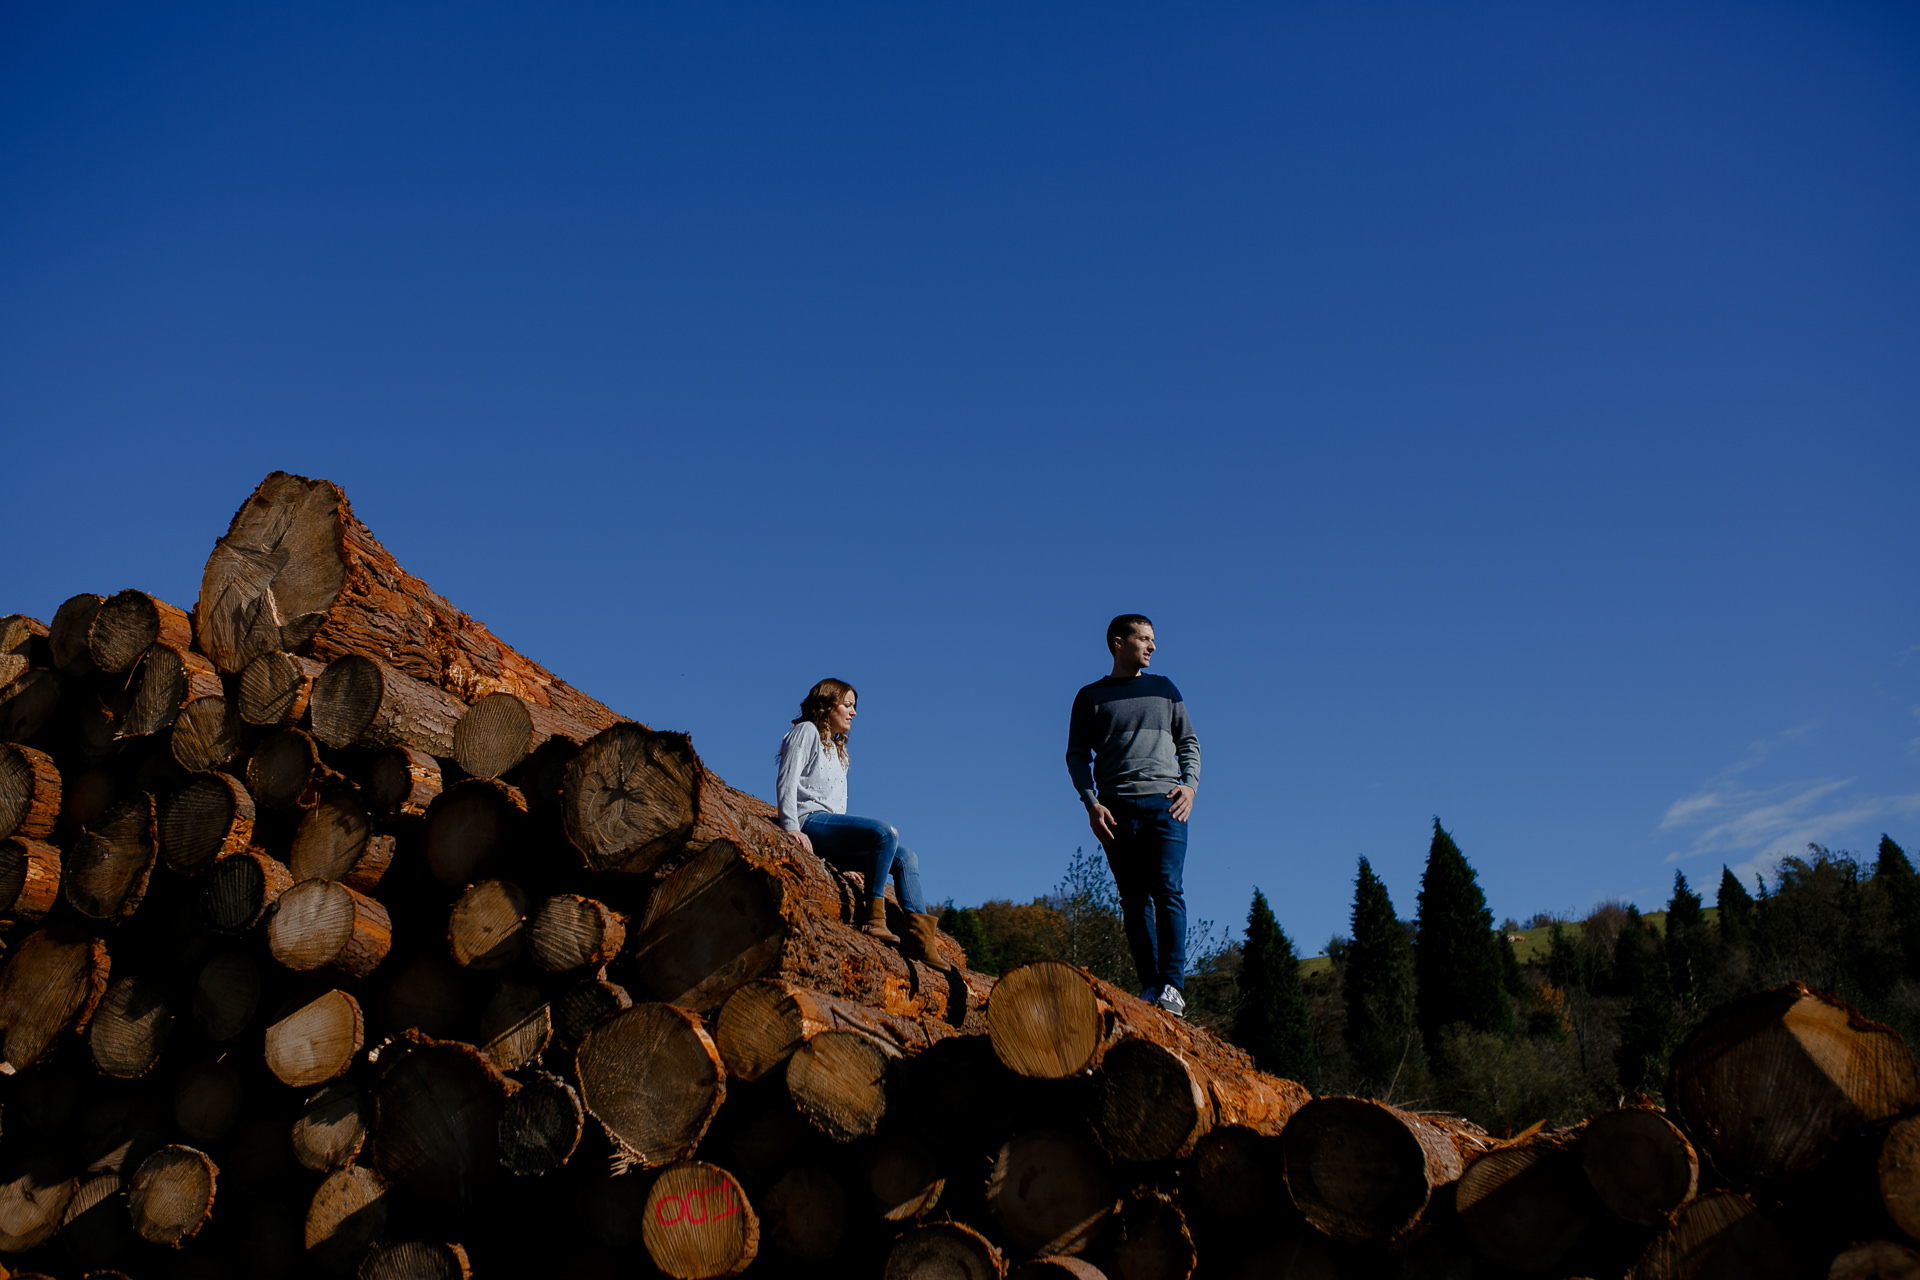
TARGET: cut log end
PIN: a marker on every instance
(108, 868)
(275, 688)
(1639, 1164)
(128, 624)
(331, 1128)
(698, 1224)
(30, 792)
(240, 889)
(653, 1079)
(129, 1028)
(170, 1195)
(208, 819)
(1050, 1192)
(630, 796)
(317, 1042)
(944, 1251)
(838, 1080)
(486, 927)
(541, 1126)
(1046, 1021)
(321, 924)
(1360, 1170)
(571, 932)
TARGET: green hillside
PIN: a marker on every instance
(1532, 944)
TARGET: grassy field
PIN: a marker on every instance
(1532, 944)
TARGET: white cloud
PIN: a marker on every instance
(1761, 824)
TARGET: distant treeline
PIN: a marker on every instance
(1440, 1012)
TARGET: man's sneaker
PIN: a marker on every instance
(1172, 1001)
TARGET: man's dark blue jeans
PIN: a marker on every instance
(1149, 860)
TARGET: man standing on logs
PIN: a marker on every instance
(1135, 762)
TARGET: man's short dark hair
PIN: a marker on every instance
(1122, 627)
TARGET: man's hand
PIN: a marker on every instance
(800, 838)
(1100, 818)
(1182, 798)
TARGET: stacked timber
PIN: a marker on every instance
(341, 939)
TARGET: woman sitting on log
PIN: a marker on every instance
(811, 793)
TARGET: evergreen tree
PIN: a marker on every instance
(1686, 946)
(1736, 911)
(1650, 1030)
(1456, 966)
(1379, 984)
(1894, 877)
(964, 926)
(1511, 979)
(1272, 1023)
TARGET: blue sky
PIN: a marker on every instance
(1506, 413)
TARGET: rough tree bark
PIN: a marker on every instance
(296, 571)
(29, 879)
(736, 912)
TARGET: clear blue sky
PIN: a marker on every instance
(1504, 412)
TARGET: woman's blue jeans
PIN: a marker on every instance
(872, 848)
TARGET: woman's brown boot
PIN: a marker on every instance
(920, 944)
(875, 925)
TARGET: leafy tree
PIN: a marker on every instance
(1092, 933)
(1650, 1030)
(1456, 967)
(1272, 1023)
(1736, 911)
(1893, 876)
(1379, 984)
(964, 926)
(1687, 941)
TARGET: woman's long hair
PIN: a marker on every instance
(818, 705)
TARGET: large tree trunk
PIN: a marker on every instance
(1163, 1083)
(1769, 1083)
(734, 913)
(296, 571)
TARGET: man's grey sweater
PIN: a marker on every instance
(1129, 738)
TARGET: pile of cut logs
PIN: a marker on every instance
(341, 939)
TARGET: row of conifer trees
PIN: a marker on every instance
(1440, 1011)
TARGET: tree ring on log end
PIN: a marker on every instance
(1149, 1104)
(494, 735)
(415, 1260)
(698, 1224)
(712, 926)
(540, 1126)
(1639, 1164)
(316, 1042)
(437, 1124)
(838, 1080)
(652, 1078)
(346, 697)
(630, 796)
(1045, 1021)
(1899, 1175)
(129, 1029)
(171, 1194)
(1354, 1169)
(1050, 1191)
(272, 578)
(947, 1250)
(1524, 1206)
